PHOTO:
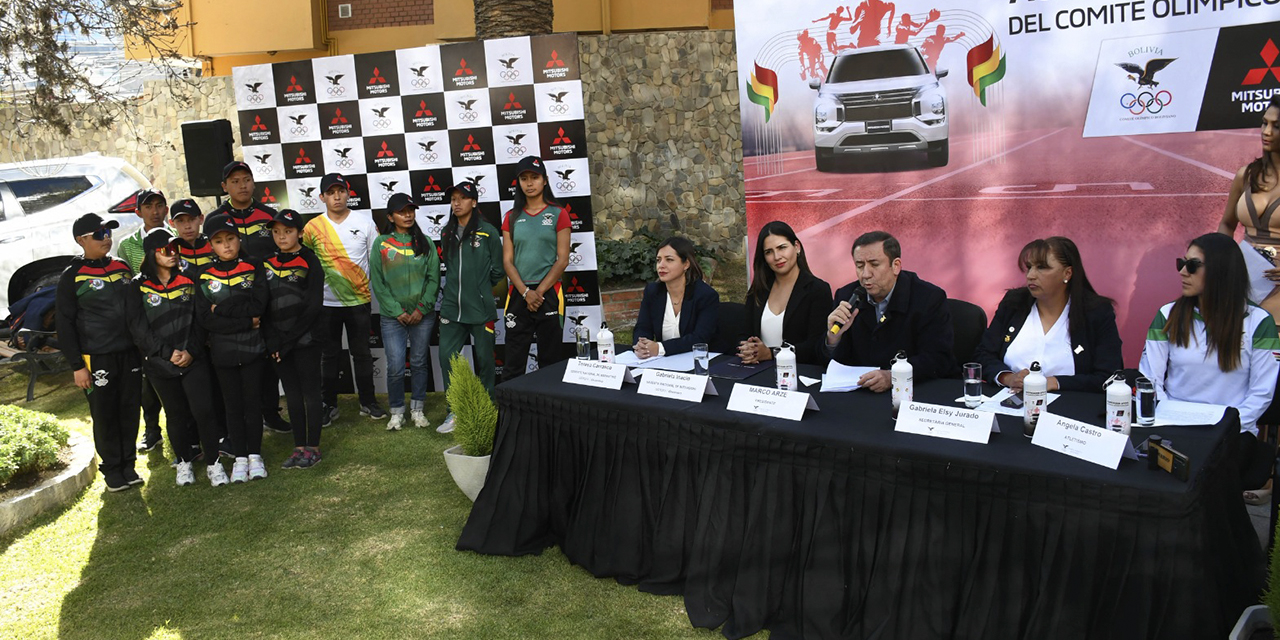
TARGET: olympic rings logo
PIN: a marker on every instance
(1146, 102)
(509, 74)
(575, 258)
(481, 190)
(468, 116)
(255, 98)
(299, 131)
(381, 123)
(307, 203)
(516, 151)
(558, 108)
(345, 163)
(265, 169)
(420, 83)
(336, 91)
(434, 230)
(429, 156)
(566, 185)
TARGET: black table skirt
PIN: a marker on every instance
(759, 529)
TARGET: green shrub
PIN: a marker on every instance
(29, 441)
(634, 260)
(475, 415)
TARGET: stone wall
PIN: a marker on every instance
(665, 135)
(664, 138)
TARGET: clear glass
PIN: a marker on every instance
(583, 338)
(972, 384)
(701, 358)
(1146, 402)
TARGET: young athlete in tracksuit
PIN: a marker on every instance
(233, 299)
(151, 207)
(176, 363)
(472, 254)
(95, 305)
(295, 287)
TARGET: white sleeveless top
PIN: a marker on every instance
(771, 327)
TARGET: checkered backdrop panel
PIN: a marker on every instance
(419, 120)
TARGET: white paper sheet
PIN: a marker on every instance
(1256, 265)
(841, 377)
(677, 362)
(1178, 412)
(808, 382)
(993, 405)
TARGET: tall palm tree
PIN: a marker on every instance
(506, 18)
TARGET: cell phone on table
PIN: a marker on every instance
(1013, 402)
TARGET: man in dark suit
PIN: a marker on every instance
(888, 310)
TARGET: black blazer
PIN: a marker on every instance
(916, 321)
(1097, 352)
(697, 320)
(805, 324)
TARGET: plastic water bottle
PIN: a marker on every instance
(1035, 390)
(902, 374)
(604, 342)
(1119, 405)
(785, 368)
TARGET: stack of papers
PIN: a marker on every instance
(993, 405)
(1178, 412)
(841, 377)
(677, 362)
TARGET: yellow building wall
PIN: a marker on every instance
(233, 26)
(345, 42)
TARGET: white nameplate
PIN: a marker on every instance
(953, 423)
(1087, 442)
(593, 373)
(676, 385)
(767, 401)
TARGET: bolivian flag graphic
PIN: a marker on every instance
(986, 67)
(763, 89)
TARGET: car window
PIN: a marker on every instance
(877, 64)
(39, 194)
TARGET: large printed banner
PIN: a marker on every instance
(420, 120)
(968, 129)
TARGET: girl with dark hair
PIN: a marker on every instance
(679, 310)
(785, 303)
(1253, 201)
(1057, 319)
(1212, 345)
(404, 271)
(473, 259)
(176, 363)
(535, 252)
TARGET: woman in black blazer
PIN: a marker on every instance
(1077, 352)
(781, 278)
(679, 310)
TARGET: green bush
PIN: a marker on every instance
(475, 415)
(634, 260)
(29, 441)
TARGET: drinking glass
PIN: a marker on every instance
(701, 358)
(583, 338)
(972, 384)
(1146, 402)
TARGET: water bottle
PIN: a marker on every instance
(902, 374)
(1035, 390)
(604, 342)
(785, 368)
(1119, 405)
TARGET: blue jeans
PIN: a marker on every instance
(417, 339)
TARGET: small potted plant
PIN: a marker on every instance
(475, 419)
(1259, 620)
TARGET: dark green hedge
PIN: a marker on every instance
(29, 441)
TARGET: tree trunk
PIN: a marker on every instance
(507, 18)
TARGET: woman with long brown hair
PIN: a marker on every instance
(1253, 202)
(786, 302)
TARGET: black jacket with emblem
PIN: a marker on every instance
(170, 312)
(232, 294)
(254, 224)
(295, 293)
(97, 310)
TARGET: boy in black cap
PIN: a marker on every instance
(193, 248)
(295, 287)
(94, 309)
(151, 208)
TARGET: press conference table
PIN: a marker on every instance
(839, 527)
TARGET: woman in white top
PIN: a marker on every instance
(1057, 319)
(786, 303)
(1213, 346)
(679, 310)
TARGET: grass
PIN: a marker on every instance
(360, 546)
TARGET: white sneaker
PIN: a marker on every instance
(217, 475)
(257, 470)
(185, 475)
(420, 420)
(447, 425)
(240, 470)
(397, 421)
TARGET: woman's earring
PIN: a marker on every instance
(1066, 281)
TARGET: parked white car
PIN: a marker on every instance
(880, 99)
(38, 202)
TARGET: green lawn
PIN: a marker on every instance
(359, 547)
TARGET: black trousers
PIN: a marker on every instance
(188, 408)
(115, 387)
(523, 326)
(1254, 459)
(150, 408)
(242, 396)
(357, 324)
(300, 373)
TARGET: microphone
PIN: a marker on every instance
(854, 301)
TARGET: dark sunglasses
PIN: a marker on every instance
(99, 235)
(1192, 266)
(169, 250)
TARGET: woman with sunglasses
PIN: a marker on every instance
(176, 363)
(1213, 345)
(1253, 201)
(1057, 319)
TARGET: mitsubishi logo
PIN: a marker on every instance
(1269, 53)
(876, 98)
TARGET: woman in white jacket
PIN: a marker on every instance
(1214, 346)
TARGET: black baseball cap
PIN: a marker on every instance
(90, 222)
(531, 163)
(288, 217)
(184, 207)
(333, 179)
(147, 194)
(467, 189)
(233, 167)
(219, 222)
(399, 201)
(157, 238)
